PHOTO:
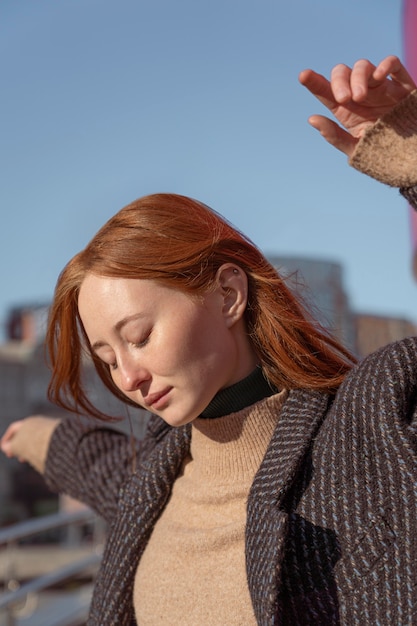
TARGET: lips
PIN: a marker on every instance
(156, 400)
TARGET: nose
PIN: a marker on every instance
(130, 374)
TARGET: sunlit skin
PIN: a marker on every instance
(167, 351)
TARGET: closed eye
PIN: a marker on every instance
(112, 365)
(106, 359)
(142, 343)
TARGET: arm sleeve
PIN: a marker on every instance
(91, 464)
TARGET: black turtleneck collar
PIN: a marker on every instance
(240, 395)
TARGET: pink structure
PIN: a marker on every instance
(410, 49)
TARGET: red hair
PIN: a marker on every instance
(181, 243)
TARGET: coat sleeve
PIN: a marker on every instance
(377, 506)
(352, 536)
(91, 464)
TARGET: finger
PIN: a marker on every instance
(319, 86)
(362, 79)
(5, 447)
(340, 83)
(333, 134)
(392, 66)
(9, 434)
(12, 429)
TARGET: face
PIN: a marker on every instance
(167, 351)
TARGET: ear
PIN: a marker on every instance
(233, 287)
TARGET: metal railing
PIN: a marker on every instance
(17, 592)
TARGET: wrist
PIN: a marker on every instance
(388, 149)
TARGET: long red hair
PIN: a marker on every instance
(181, 243)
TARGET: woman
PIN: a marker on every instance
(279, 485)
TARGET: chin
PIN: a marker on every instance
(176, 421)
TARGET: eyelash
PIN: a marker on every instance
(143, 342)
(139, 344)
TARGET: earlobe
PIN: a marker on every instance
(234, 287)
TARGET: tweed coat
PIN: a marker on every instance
(331, 534)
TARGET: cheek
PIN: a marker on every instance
(190, 338)
(206, 343)
(188, 342)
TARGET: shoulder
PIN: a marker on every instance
(377, 401)
(404, 350)
(391, 370)
(365, 452)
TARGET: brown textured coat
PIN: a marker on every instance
(331, 535)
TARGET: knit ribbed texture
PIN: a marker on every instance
(193, 568)
(387, 151)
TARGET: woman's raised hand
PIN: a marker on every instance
(356, 97)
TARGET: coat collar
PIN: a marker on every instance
(266, 529)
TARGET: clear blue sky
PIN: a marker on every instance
(104, 101)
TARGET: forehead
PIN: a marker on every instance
(104, 298)
(115, 292)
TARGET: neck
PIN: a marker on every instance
(251, 389)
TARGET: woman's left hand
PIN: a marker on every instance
(357, 97)
(6, 441)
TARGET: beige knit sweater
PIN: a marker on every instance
(193, 568)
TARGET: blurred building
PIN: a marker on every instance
(319, 284)
(27, 323)
(374, 331)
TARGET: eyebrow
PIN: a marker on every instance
(117, 327)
